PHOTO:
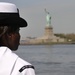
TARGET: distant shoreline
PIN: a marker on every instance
(53, 43)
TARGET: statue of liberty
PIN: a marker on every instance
(48, 18)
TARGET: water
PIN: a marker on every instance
(50, 59)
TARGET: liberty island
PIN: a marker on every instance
(48, 36)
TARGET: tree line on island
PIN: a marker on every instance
(68, 37)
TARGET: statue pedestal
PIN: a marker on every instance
(48, 31)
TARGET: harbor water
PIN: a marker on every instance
(50, 59)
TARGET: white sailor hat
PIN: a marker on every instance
(9, 15)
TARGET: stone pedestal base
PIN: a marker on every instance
(49, 31)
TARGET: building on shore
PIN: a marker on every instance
(47, 38)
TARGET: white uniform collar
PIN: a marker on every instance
(3, 50)
(7, 61)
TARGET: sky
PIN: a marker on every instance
(61, 11)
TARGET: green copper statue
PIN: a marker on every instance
(48, 18)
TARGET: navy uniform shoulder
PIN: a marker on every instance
(24, 64)
(26, 67)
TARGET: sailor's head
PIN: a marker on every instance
(10, 23)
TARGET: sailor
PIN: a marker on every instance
(10, 23)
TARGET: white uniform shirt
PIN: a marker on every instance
(10, 63)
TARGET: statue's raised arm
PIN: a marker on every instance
(48, 18)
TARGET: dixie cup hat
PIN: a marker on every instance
(9, 15)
